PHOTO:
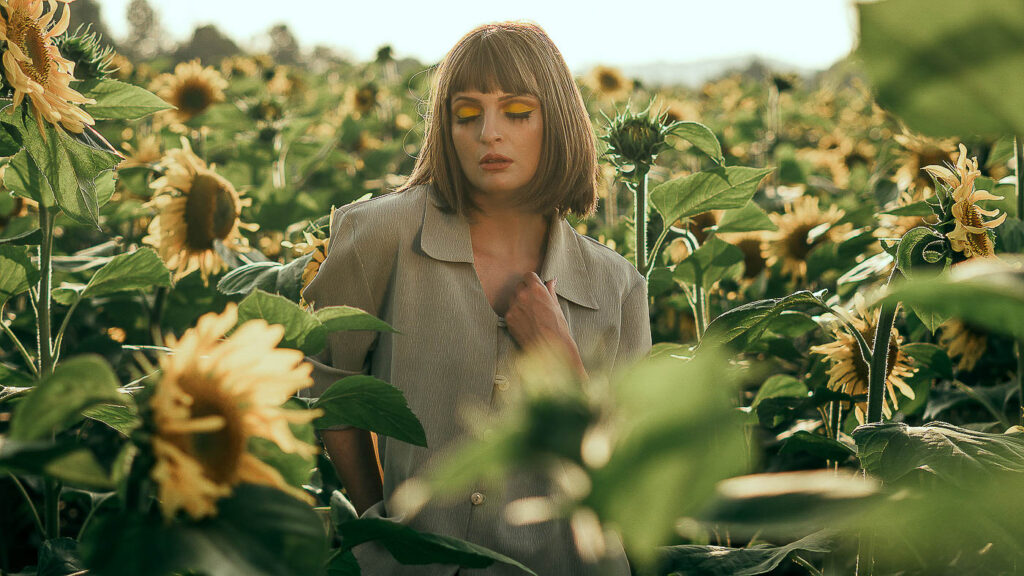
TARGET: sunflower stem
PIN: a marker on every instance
(1018, 155)
(31, 505)
(157, 314)
(877, 369)
(641, 213)
(29, 361)
(51, 487)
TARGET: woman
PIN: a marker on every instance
(473, 261)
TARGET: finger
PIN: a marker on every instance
(550, 285)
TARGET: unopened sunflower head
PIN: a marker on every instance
(91, 57)
(803, 226)
(33, 65)
(963, 225)
(963, 341)
(214, 395)
(608, 83)
(849, 371)
(195, 207)
(635, 139)
(192, 88)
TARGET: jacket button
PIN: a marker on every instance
(501, 322)
(477, 498)
(501, 382)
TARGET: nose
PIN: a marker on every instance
(491, 130)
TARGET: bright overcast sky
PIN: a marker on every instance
(806, 33)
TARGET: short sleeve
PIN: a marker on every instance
(342, 281)
(635, 327)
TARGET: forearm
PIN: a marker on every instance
(352, 453)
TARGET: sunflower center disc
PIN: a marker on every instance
(29, 37)
(209, 213)
(194, 97)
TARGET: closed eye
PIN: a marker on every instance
(518, 110)
(464, 114)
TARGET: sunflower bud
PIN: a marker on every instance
(92, 58)
(635, 139)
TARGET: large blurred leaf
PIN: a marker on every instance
(411, 547)
(989, 294)
(371, 404)
(138, 270)
(891, 450)
(930, 359)
(119, 100)
(718, 189)
(702, 138)
(692, 560)
(17, 273)
(69, 167)
(58, 401)
(714, 260)
(66, 461)
(816, 445)
(258, 531)
(296, 468)
(349, 318)
(123, 418)
(947, 68)
(746, 323)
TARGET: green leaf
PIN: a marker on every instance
(17, 273)
(33, 237)
(58, 401)
(302, 331)
(724, 561)
(793, 324)
(138, 270)
(411, 547)
(750, 218)
(747, 322)
(816, 445)
(968, 53)
(930, 358)
(66, 461)
(957, 455)
(258, 531)
(920, 208)
(23, 177)
(59, 557)
(780, 386)
(910, 255)
(116, 100)
(987, 294)
(9, 143)
(342, 509)
(121, 417)
(348, 318)
(718, 189)
(245, 279)
(296, 468)
(69, 167)
(714, 260)
(702, 138)
(371, 404)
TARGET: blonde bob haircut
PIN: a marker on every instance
(516, 58)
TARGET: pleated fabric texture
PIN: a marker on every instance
(403, 259)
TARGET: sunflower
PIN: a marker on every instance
(213, 397)
(318, 246)
(849, 372)
(195, 207)
(918, 152)
(970, 234)
(802, 227)
(608, 82)
(146, 153)
(191, 88)
(34, 67)
(752, 246)
(962, 340)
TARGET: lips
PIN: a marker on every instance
(495, 162)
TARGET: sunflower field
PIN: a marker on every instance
(835, 269)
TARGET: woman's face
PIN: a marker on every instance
(497, 138)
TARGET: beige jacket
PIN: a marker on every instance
(403, 259)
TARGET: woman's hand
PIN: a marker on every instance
(535, 320)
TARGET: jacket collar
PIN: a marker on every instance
(445, 236)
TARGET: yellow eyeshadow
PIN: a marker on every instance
(519, 108)
(467, 111)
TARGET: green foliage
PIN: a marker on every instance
(718, 189)
(138, 270)
(702, 138)
(714, 260)
(956, 75)
(744, 324)
(371, 404)
(17, 273)
(724, 561)
(273, 277)
(119, 100)
(749, 218)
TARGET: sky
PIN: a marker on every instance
(805, 33)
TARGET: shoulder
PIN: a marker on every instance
(380, 221)
(607, 267)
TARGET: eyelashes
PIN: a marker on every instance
(514, 111)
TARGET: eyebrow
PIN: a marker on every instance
(501, 99)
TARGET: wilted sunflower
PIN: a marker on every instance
(191, 88)
(802, 227)
(213, 396)
(918, 152)
(195, 206)
(608, 82)
(318, 246)
(962, 340)
(970, 234)
(33, 65)
(849, 372)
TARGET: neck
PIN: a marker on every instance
(509, 231)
